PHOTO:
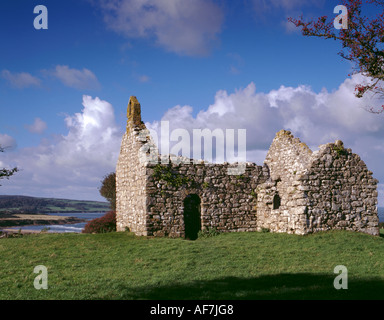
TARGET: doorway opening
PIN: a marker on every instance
(276, 201)
(192, 216)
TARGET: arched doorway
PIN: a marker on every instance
(192, 216)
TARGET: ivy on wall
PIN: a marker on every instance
(171, 178)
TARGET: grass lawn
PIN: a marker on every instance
(227, 266)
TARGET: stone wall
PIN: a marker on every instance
(131, 193)
(228, 202)
(341, 192)
(282, 206)
(318, 191)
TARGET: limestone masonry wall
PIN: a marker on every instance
(296, 190)
(131, 193)
(228, 203)
(282, 206)
(341, 192)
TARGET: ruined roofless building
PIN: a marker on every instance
(296, 191)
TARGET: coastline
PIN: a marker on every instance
(20, 224)
(22, 220)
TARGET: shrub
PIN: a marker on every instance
(104, 224)
(207, 233)
(108, 189)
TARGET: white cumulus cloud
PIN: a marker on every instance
(73, 164)
(316, 118)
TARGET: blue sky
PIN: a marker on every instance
(64, 90)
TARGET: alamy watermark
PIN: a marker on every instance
(341, 21)
(41, 21)
(180, 153)
(41, 281)
(341, 281)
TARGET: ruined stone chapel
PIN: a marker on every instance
(295, 191)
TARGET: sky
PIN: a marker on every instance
(210, 64)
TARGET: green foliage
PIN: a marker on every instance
(108, 189)
(208, 233)
(340, 151)
(173, 179)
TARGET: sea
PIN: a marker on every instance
(78, 227)
(64, 228)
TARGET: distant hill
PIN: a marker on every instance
(33, 205)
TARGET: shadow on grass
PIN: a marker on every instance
(281, 286)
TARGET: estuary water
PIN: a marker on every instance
(76, 227)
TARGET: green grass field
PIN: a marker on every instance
(227, 266)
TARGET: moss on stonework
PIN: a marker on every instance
(172, 178)
(340, 150)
